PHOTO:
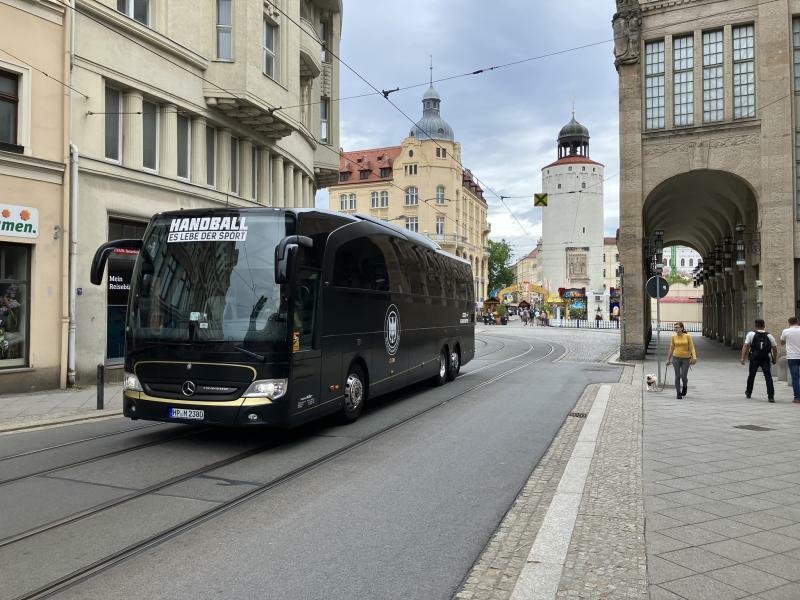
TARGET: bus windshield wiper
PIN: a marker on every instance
(249, 353)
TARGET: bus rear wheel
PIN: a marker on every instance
(455, 364)
(441, 375)
(355, 394)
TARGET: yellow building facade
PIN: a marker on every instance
(422, 186)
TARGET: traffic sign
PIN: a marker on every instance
(657, 287)
(540, 199)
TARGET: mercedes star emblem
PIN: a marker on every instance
(188, 388)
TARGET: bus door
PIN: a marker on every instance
(306, 352)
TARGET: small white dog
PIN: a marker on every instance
(651, 382)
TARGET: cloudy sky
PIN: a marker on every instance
(506, 120)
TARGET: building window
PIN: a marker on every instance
(713, 85)
(270, 54)
(616, 258)
(343, 202)
(654, 85)
(412, 196)
(344, 176)
(138, 10)
(412, 224)
(384, 199)
(604, 272)
(150, 135)
(583, 185)
(234, 165)
(325, 40)
(9, 107)
(441, 152)
(184, 146)
(439, 225)
(364, 174)
(411, 169)
(683, 79)
(352, 205)
(691, 262)
(15, 260)
(569, 169)
(439, 194)
(254, 174)
(113, 110)
(224, 29)
(324, 115)
(211, 156)
(373, 197)
(744, 77)
(559, 186)
(386, 172)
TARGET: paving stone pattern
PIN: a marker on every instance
(23, 409)
(722, 503)
(606, 557)
(496, 571)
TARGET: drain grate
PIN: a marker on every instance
(578, 415)
(754, 427)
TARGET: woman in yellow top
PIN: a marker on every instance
(681, 355)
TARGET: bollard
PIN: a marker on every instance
(101, 386)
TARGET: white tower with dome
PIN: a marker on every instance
(572, 222)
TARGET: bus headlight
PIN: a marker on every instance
(266, 388)
(131, 383)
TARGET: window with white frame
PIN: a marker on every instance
(325, 39)
(439, 225)
(373, 198)
(343, 202)
(150, 135)
(270, 45)
(412, 196)
(441, 152)
(352, 204)
(439, 194)
(184, 145)
(683, 79)
(744, 76)
(654, 85)
(411, 169)
(384, 199)
(324, 115)
(713, 84)
(113, 110)
(412, 224)
(138, 10)
(9, 108)
(224, 29)
(211, 156)
(254, 174)
(234, 165)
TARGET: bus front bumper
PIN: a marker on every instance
(234, 413)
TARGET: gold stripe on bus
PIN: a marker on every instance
(224, 403)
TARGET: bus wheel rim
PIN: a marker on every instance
(442, 365)
(354, 392)
(454, 361)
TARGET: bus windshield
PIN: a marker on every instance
(209, 279)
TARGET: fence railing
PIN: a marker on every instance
(584, 324)
(691, 326)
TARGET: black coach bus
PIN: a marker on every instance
(280, 316)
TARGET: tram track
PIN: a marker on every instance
(80, 575)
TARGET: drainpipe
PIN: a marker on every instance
(73, 260)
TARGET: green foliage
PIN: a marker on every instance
(675, 277)
(500, 272)
(502, 310)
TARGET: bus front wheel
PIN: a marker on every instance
(355, 394)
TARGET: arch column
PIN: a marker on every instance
(288, 183)
(299, 193)
(264, 186)
(278, 198)
(198, 158)
(132, 136)
(168, 141)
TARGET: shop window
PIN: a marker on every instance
(120, 270)
(15, 260)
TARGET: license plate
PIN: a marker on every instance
(187, 413)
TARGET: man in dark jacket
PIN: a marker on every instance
(762, 350)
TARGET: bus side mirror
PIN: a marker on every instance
(286, 255)
(103, 252)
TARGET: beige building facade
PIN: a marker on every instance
(191, 105)
(708, 121)
(34, 179)
(528, 269)
(422, 186)
(611, 264)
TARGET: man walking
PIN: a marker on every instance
(790, 337)
(762, 350)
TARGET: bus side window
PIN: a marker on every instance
(304, 306)
(360, 264)
(397, 280)
(434, 269)
(411, 266)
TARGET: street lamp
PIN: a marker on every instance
(728, 254)
(740, 257)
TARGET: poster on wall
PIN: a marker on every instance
(19, 221)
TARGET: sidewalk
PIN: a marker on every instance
(56, 406)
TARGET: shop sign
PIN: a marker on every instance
(19, 221)
(120, 272)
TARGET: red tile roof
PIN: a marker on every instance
(372, 160)
(574, 160)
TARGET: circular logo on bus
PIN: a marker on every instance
(188, 388)
(391, 330)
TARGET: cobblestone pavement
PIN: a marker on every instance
(19, 410)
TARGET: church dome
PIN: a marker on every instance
(432, 125)
(573, 129)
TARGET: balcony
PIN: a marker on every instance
(447, 238)
(310, 50)
(486, 251)
(250, 113)
(487, 228)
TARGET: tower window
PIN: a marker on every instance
(654, 85)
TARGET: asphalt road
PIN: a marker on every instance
(402, 513)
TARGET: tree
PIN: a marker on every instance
(674, 277)
(500, 272)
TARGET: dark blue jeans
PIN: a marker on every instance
(764, 365)
(794, 370)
